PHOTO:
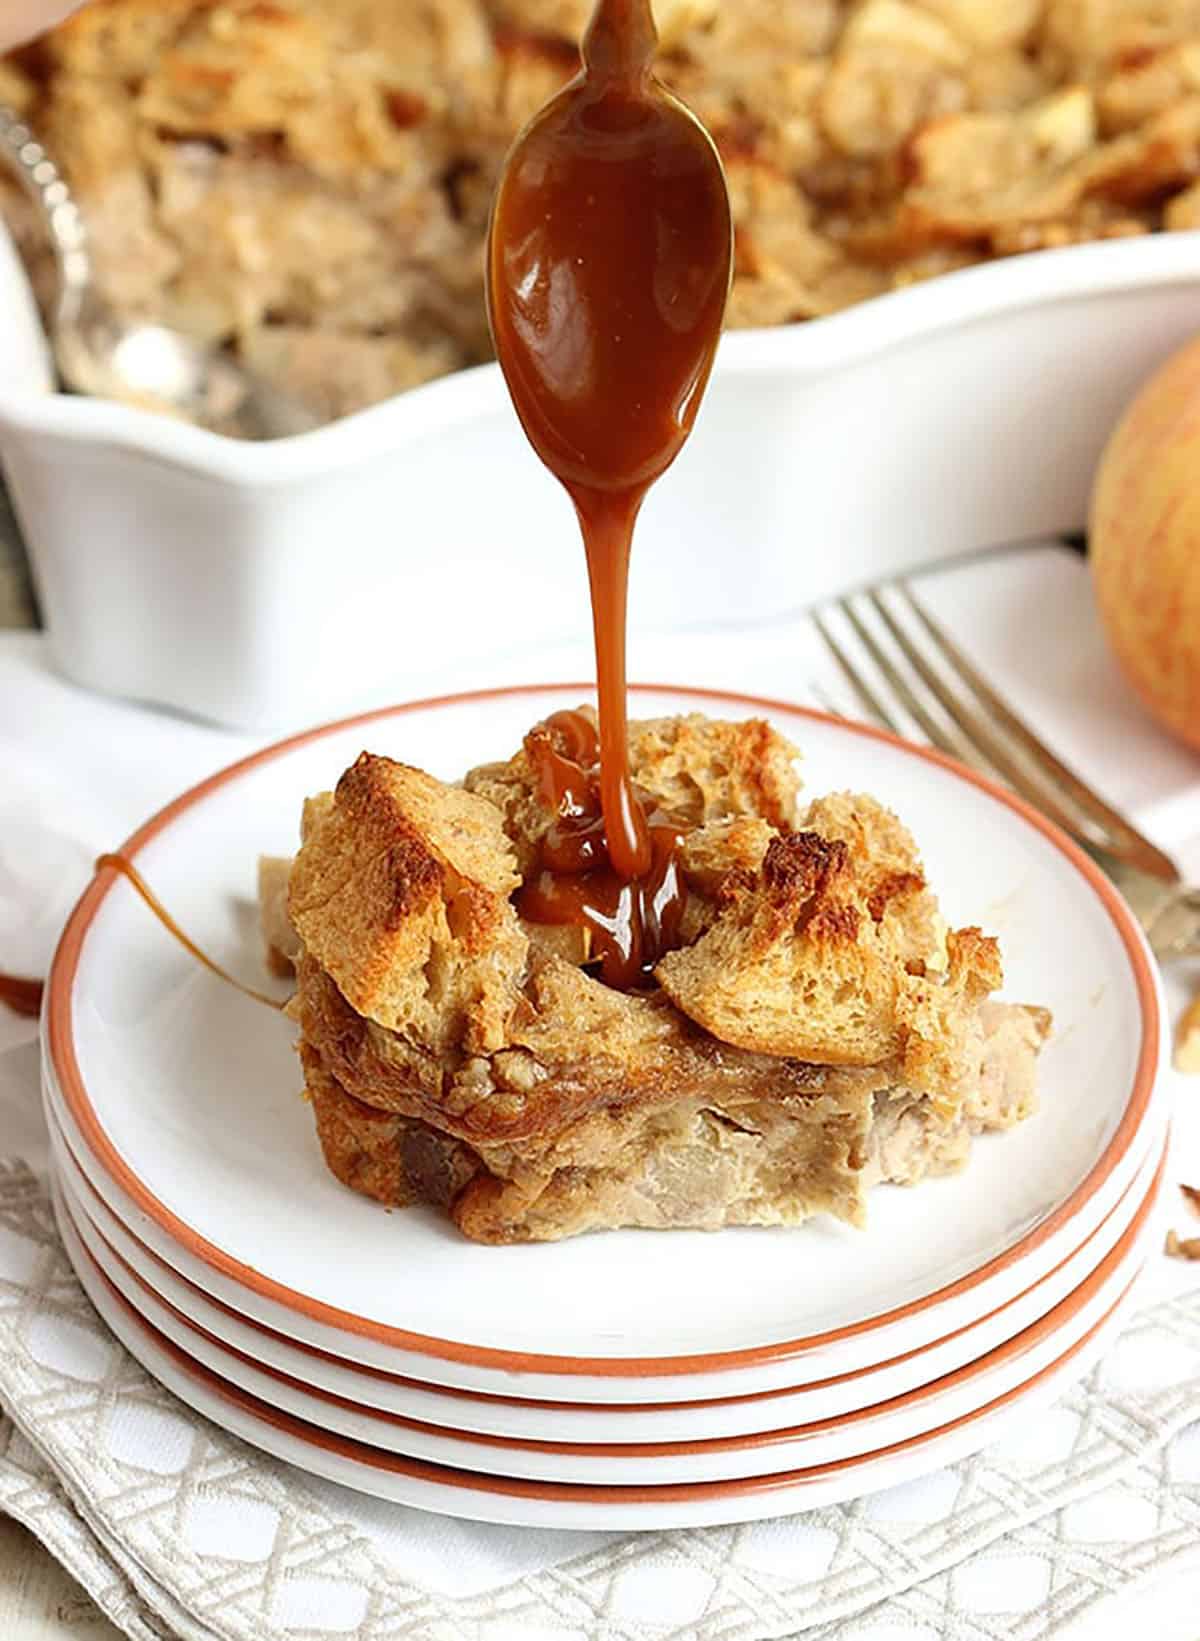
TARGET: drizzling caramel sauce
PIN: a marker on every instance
(23, 997)
(129, 871)
(609, 260)
(630, 922)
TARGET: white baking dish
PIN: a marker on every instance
(267, 585)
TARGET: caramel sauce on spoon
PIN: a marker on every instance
(608, 266)
(24, 997)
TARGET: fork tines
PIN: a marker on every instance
(907, 674)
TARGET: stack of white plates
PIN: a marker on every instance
(630, 1379)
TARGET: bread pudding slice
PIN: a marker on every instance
(815, 1031)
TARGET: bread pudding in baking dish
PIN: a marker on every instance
(803, 1025)
(308, 181)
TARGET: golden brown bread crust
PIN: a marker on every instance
(788, 967)
(820, 1031)
(400, 891)
(829, 950)
(885, 869)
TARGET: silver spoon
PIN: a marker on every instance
(100, 354)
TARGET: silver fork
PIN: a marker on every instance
(910, 672)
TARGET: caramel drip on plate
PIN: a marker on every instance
(23, 997)
(129, 871)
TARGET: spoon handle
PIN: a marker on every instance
(42, 181)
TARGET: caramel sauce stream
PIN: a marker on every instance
(609, 261)
(129, 871)
(24, 997)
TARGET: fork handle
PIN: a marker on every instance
(1174, 931)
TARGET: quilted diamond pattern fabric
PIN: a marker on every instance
(176, 1529)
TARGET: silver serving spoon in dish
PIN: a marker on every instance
(136, 362)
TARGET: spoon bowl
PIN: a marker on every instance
(615, 296)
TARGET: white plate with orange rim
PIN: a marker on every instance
(726, 1457)
(520, 1501)
(179, 1096)
(127, 1262)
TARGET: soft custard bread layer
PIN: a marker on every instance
(817, 1032)
(697, 1159)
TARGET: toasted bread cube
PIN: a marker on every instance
(400, 892)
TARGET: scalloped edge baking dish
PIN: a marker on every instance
(265, 585)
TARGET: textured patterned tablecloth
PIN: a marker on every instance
(170, 1522)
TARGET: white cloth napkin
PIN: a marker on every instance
(178, 1529)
